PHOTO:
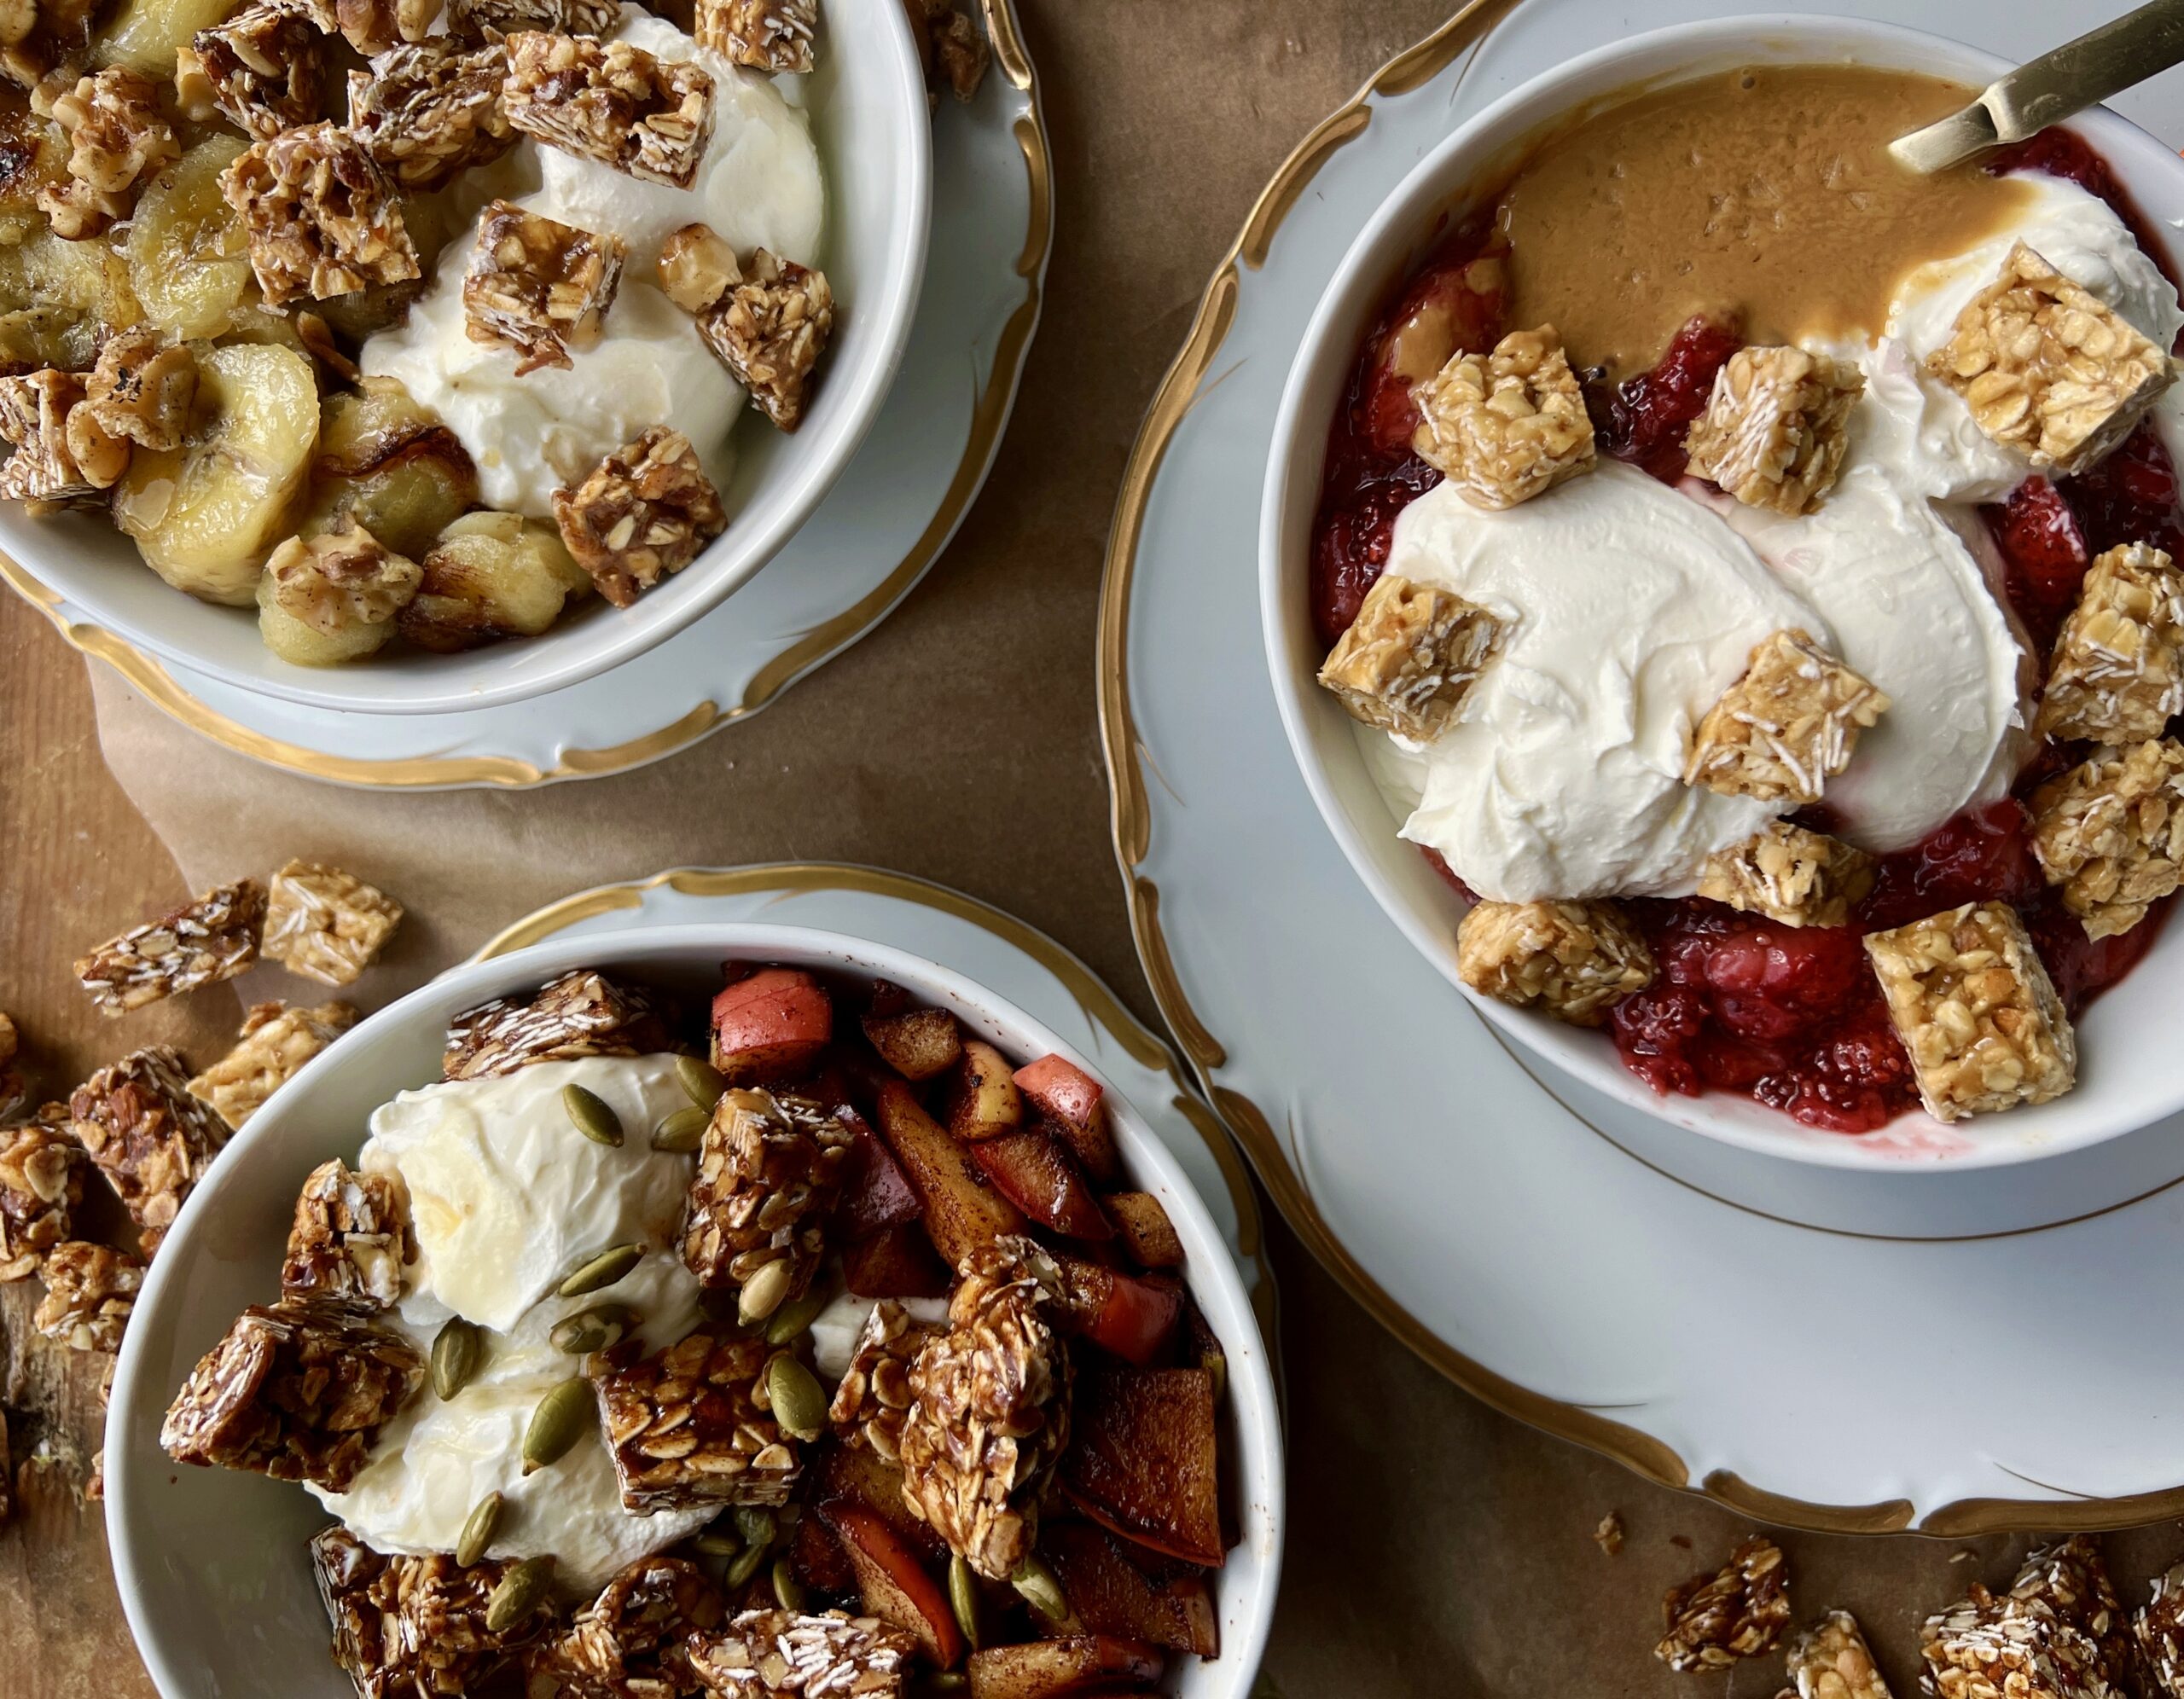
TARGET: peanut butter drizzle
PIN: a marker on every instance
(1767, 192)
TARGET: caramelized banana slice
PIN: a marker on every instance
(491, 576)
(188, 253)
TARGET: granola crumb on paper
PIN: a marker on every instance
(1739, 1612)
(325, 924)
(1608, 1536)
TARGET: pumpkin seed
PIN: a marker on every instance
(588, 1112)
(592, 1329)
(1216, 1364)
(963, 1599)
(478, 1530)
(799, 1403)
(788, 1592)
(718, 1544)
(518, 1594)
(792, 1320)
(557, 1424)
(603, 1269)
(762, 1292)
(456, 1350)
(756, 1523)
(684, 1130)
(1041, 1590)
(745, 1566)
(701, 1079)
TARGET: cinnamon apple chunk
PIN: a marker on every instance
(1145, 1463)
(987, 1101)
(1069, 1098)
(771, 1026)
(1082, 1664)
(963, 1211)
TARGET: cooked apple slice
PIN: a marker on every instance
(815, 1557)
(1147, 1233)
(897, 1588)
(987, 1102)
(1048, 1669)
(877, 1193)
(860, 1478)
(1069, 1097)
(1143, 1459)
(918, 1043)
(1035, 1173)
(1109, 1594)
(1135, 1319)
(962, 1211)
(896, 1262)
(771, 1026)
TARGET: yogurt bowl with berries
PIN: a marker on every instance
(1746, 684)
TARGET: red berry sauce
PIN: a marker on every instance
(1643, 420)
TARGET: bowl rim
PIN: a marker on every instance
(888, 301)
(1210, 1268)
(1296, 452)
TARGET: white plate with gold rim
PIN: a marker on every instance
(889, 517)
(1838, 1349)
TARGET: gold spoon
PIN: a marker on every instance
(2048, 89)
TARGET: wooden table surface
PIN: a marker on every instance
(1435, 1547)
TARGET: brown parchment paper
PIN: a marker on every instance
(1435, 1547)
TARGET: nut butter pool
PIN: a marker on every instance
(1767, 193)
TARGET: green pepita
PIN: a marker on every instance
(762, 1292)
(701, 1079)
(478, 1530)
(963, 1599)
(1216, 1364)
(557, 1424)
(788, 1592)
(756, 1523)
(745, 1566)
(602, 1270)
(590, 1114)
(794, 1319)
(1041, 1590)
(456, 1350)
(520, 1592)
(592, 1329)
(684, 1130)
(798, 1401)
(710, 1544)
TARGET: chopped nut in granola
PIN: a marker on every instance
(200, 943)
(1572, 960)
(989, 1413)
(1976, 1009)
(769, 1171)
(610, 102)
(1831, 1661)
(118, 141)
(430, 110)
(376, 26)
(1776, 427)
(2117, 672)
(770, 330)
(43, 471)
(266, 63)
(139, 393)
(1800, 878)
(644, 512)
(696, 268)
(953, 52)
(1505, 427)
(538, 286)
(1786, 727)
(2158, 1627)
(41, 1185)
(275, 1041)
(150, 1138)
(786, 1655)
(325, 923)
(2050, 370)
(297, 1391)
(772, 36)
(686, 1427)
(872, 1399)
(90, 1290)
(1408, 658)
(2111, 832)
(631, 1642)
(413, 1627)
(1738, 1612)
(339, 581)
(349, 1238)
(582, 1013)
(323, 218)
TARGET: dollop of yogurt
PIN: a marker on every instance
(506, 1198)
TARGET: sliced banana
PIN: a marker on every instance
(491, 576)
(189, 253)
(144, 34)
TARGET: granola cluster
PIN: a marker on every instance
(1786, 727)
(262, 68)
(148, 1135)
(538, 286)
(1800, 878)
(769, 1171)
(1408, 658)
(610, 102)
(1831, 1661)
(872, 1399)
(953, 52)
(323, 219)
(632, 1640)
(1507, 427)
(772, 36)
(582, 1013)
(1776, 427)
(784, 1655)
(2117, 672)
(277, 1041)
(1739, 1612)
(429, 111)
(642, 514)
(686, 1427)
(2158, 1626)
(41, 1187)
(2111, 833)
(412, 1627)
(2056, 1634)
(325, 923)
(349, 1238)
(200, 943)
(42, 470)
(1571, 960)
(770, 330)
(89, 1291)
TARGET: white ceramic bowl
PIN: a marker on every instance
(211, 1563)
(873, 127)
(2126, 1079)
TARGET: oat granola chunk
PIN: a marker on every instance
(610, 102)
(772, 36)
(413, 1627)
(266, 64)
(376, 27)
(770, 330)
(643, 513)
(953, 52)
(2018, 1646)
(139, 393)
(1786, 727)
(1831, 1661)
(349, 1238)
(686, 1426)
(2158, 1627)
(479, 19)
(1776, 427)
(150, 1138)
(198, 943)
(1976, 1009)
(340, 581)
(872, 1400)
(429, 111)
(41, 1185)
(275, 1041)
(323, 218)
(1408, 658)
(582, 1013)
(769, 1171)
(118, 141)
(90, 1290)
(297, 1391)
(629, 1642)
(786, 1655)
(2117, 672)
(538, 286)
(989, 1413)
(1505, 427)
(325, 923)
(2111, 832)
(2070, 1578)
(42, 472)
(1800, 878)
(1572, 959)
(1739, 1612)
